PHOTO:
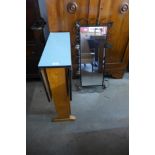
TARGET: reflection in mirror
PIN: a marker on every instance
(92, 54)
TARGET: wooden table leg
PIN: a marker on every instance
(58, 85)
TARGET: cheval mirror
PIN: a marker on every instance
(92, 55)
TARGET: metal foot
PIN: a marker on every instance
(103, 85)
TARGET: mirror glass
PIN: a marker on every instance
(92, 53)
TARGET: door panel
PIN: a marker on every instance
(59, 19)
(118, 34)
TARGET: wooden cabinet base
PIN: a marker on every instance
(70, 118)
(117, 74)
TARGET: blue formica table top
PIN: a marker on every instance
(57, 51)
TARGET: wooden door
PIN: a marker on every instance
(34, 39)
(96, 12)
